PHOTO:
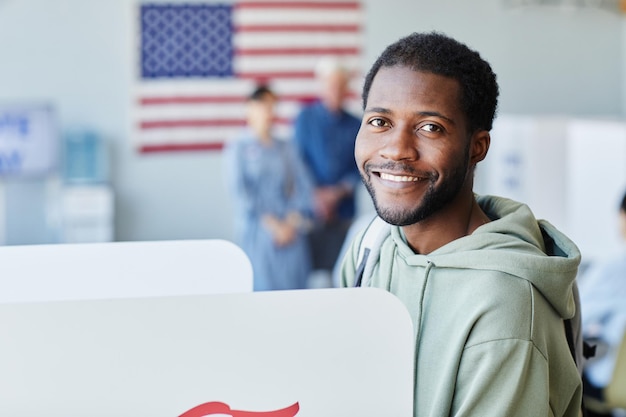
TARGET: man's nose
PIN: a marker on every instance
(400, 144)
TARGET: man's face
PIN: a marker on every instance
(412, 148)
(334, 87)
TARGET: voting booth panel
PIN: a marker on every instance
(597, 185)
(122, 269)
(305, 353)
(560, 167)
(527, 162)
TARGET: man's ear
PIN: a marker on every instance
(479, 146)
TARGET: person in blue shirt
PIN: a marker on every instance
(273, 199)
(324, 134)
(603, 303)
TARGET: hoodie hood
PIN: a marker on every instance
(515, 243)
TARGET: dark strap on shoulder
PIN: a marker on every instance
(359, 271)
(569, 334)
(589, 351)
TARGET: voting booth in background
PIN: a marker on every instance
(57, 272)
(570, 171)
(527, 162)
(596, 185)
(305, 353)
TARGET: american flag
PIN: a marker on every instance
(197, 62)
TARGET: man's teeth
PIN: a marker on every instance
(398, 178)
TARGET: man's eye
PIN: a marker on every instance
(429, 127)
(378, 122)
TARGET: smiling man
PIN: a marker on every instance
(488, 286)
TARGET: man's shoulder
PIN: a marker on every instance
(348, 114)
(310, 108)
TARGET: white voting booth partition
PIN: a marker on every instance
(570, 171)
(122, 269)
(597, 173)
(306, 353)
(527, 162)
(173, 329)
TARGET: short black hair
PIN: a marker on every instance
(439, 54)
(260, 92)
(622, 206)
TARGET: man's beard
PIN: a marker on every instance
(436, 197)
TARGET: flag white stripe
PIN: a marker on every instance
(188, 135)
(281, 63)
(243, 16)
(196, 135)
(209, 111)
(185, 87)
(232, 87)
(284, 110)
(303, 40)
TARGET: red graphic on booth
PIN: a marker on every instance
(213, 408)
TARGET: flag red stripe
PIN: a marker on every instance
(152, 101)
(275, 74)
(172, 146)
(171, 124)
(298, 28)
(298, 51)
(344, 5)
(155, 101)
(166, 100)
(167, 124)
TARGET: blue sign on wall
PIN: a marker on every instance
(28, 140)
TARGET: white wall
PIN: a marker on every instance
(76, 54)
(548, 59)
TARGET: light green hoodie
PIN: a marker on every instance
(488, 313)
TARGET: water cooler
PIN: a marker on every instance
(86, 200)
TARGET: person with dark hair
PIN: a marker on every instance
(603, 300)
(324, 134)
(273, 199)
(488, 286)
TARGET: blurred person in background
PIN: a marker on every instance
(603, 302)
(273, 199)
(324, 135)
